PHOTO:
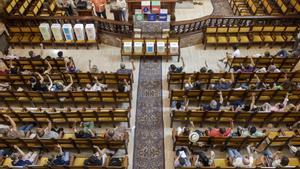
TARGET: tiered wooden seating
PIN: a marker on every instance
(204, 96)
(24, 7)
(52, 10)
(246, 7)
(270, 8)
(35, 8)
(272, 139)
(21, 80)
(11, 6)
(212, 78)
(99, 116)
(237, 142)
(10, 98)
(24, 36)
(69, 143)
(242, 118)
(287, 64)
(296, 5)
(34, 65)
(264, 7)
(249, 35)
(76, 162)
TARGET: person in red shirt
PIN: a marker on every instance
(99, 6)
(220, 132)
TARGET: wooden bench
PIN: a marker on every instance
(76, 162)
(81, 79)
(260, 62)
(213, 78)
(205, 96)
(70, 143)
(10, 98)
(242, 117)
(267, 34)
(99, 116)
(235, 142)
(36, 64)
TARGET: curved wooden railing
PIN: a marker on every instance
(178, 28)
(183, 28)
(119, 28)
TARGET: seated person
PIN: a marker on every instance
(250, 131)
(224, 84)
(117, 133)
(220, 132)
(189, 85)
(70, 65)
(33, 55)
(229, 56)
(248, 68)
(282, 53)
(198, 86)
(60, 55)
(273, 160)
(179, 105)
(12, 69)
(97, 86)
(61, 158)
(214, 105)
(48, 70)
(98, 158)
(202, 160)
(14, 132)
(59, 86)
(182, 158)
(39, 85)
(86, 131)
(237, 160)
(123, 69)
(124, 86)
(22, 159)
(94, 68)
(5, 86)
(9, 55)
(278, 107)
(174, 69)
(182, 131)
(48, 133)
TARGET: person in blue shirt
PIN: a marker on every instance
(22, 159)
(224, 84)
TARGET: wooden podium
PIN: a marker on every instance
(165, 4)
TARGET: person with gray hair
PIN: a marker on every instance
(123, 69)
(214, 105)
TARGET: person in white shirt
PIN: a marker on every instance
(96, 87)
(236, 52)
(237, 160)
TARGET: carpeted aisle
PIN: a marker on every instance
(149, 128)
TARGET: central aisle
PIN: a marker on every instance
(149, 131)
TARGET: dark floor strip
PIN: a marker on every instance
(149, 131)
